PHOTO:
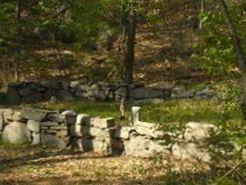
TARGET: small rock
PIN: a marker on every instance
(74, 84)
(15, 116)
(35, 138)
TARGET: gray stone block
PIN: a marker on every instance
(124, 132)
(53, 141)
(83, 119)
(36, 138)
(33, 126)
(49, 124)
(98, 133)
(103, 122)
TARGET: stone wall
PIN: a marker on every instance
(67, 129)
(67, 90)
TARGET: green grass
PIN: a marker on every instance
(169, 114)
(6, 145)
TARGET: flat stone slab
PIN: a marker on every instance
(49, 124)
(34, 114)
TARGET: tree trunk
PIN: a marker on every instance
(129, 33)
(18, 10)
(201, 12)
(239, 52)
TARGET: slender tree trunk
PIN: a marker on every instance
(201, 12)
(129, 33)
(239, 52)
(18, 10)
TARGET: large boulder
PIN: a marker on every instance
(191, 152)
(148, 129)
(139, 146)
(199, 132)
(16, 133)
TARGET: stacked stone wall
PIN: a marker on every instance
(68, 90)
(69, 130)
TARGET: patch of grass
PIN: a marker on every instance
(170, 115)
(6, 145)
(183, 111)
(102, 109)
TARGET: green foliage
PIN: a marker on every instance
(224, 181)
(229, 97)
(215, 52)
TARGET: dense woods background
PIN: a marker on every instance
(177, 39)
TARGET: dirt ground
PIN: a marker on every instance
(37, 166)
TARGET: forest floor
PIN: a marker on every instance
(22, 165)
